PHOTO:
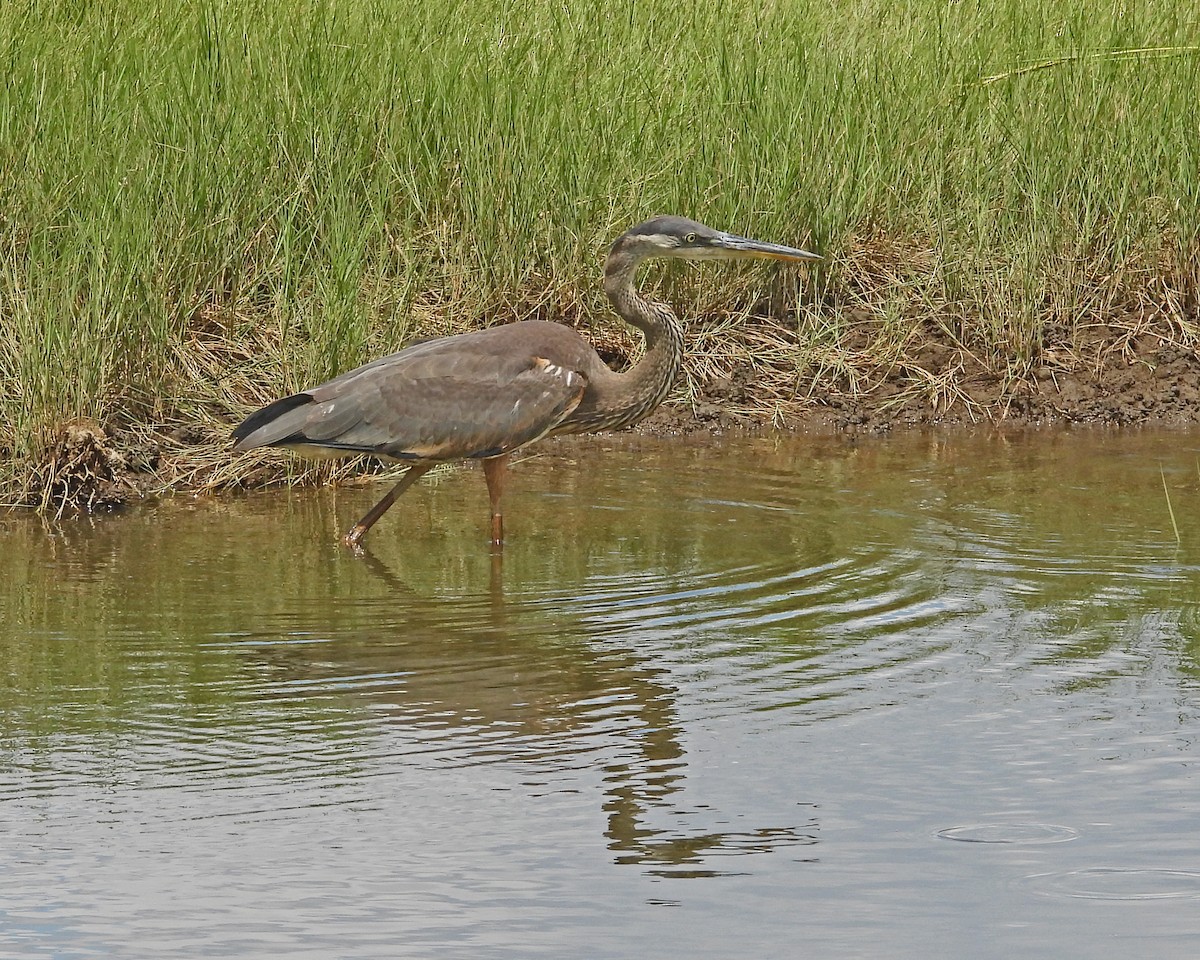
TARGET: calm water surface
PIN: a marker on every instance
(927, 696)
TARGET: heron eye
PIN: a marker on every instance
(690, 238)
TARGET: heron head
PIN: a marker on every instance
(684, 239)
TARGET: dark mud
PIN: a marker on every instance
(1109, 376)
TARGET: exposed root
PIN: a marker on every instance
(80, 470)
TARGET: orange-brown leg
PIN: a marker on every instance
(494, 470)
(359, 530)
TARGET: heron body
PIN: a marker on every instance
(483, 395)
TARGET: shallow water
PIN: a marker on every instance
(924, 696)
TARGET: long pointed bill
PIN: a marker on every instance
(733, 246)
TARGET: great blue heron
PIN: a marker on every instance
(482, 395)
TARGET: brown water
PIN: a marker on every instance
(912, 697)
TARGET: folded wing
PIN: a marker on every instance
(478, 395)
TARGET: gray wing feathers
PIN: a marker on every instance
(473, 396)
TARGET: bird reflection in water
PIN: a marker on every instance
(470, 667)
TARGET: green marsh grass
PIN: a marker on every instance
(206, 202)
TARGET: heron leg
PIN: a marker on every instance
(359, 530)
(494, 471)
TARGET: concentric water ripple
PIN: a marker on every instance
(1119, 883)
(1020, 833)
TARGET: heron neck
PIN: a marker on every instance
(646, 384)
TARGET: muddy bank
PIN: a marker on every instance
(1104, 375)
